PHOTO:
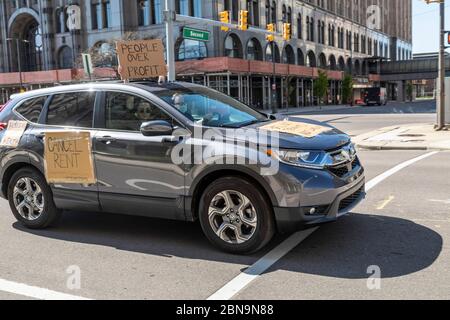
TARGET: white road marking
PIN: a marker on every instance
(234, 286)
(238, 283)
(35, 292)
(229, 290)
(374, 182)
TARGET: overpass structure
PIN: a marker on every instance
(417, 69)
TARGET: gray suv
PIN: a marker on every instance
(137, 128)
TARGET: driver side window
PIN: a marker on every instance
(127, 112)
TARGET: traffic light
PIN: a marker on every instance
(270, 28)
(225, 18)
(243, 20)
(287, 31)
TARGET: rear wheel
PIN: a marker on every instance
(235, 216)
(31, 199)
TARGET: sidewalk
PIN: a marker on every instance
(302, 110)
(405, 137)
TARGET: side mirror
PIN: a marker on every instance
(156, 128)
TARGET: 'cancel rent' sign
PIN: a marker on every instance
(141, 59)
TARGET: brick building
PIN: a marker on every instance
(335, 35)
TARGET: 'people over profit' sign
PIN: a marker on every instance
(141, 59)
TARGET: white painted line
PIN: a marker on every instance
(374, 182)
(233, 287)
(35, 292)
(243, 279)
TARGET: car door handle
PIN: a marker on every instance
(172, 140)
(106, 139)
(40, 136)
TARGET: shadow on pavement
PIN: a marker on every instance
(348, 247)
(344, 249)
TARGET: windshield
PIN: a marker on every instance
(211, 108)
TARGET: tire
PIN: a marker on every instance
(39, 199)
(255, 221)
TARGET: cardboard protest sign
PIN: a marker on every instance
(13, 134)
(68, 158)
(306, 130)
(141, 59)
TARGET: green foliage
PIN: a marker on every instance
(321, 85)
(409, 90)
(347, 89)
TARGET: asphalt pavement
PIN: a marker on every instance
(401, 230)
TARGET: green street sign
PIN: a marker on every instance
(195, 34)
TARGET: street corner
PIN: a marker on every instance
(405, 137)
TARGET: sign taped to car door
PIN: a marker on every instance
(13, 133)
(307, 130)
(68, 158)
(141, 59)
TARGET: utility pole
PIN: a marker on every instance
(169, 16)
(441, 77)
(19, 58)
(274, 82)
(441, 107)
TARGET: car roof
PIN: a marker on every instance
(149, 86)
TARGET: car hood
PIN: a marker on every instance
(328, 140)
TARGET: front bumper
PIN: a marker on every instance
(291, 219)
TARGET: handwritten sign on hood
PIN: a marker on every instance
(141, 59)
(307, 130)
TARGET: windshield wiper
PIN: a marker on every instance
(243, 124)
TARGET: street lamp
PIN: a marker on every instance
(19, 57)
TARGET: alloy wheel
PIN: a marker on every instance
(28, 199)
(232, 216)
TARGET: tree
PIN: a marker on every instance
(409, 90)
(321, 86)
(347, 89)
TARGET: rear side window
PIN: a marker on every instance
(32, 109)
(72, 109)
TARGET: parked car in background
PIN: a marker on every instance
(376, 95)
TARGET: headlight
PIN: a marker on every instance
(308, 159)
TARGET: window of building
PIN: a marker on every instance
(299, 27)
(254, 50)
(127, 112)
(191, 49)
(233, 46)
(253, 12)
(270, 56)
(72, 109)
(65, 58)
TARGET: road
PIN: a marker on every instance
(401, 230)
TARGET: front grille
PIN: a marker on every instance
(347, 202)
(343, 170)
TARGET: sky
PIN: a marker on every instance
(426, 26)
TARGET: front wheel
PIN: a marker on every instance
(31, 199)
(235, 216)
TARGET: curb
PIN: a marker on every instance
(391, 148)
(365, 145)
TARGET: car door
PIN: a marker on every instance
(65, 112)
(136, 174)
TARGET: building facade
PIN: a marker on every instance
(334, 35)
